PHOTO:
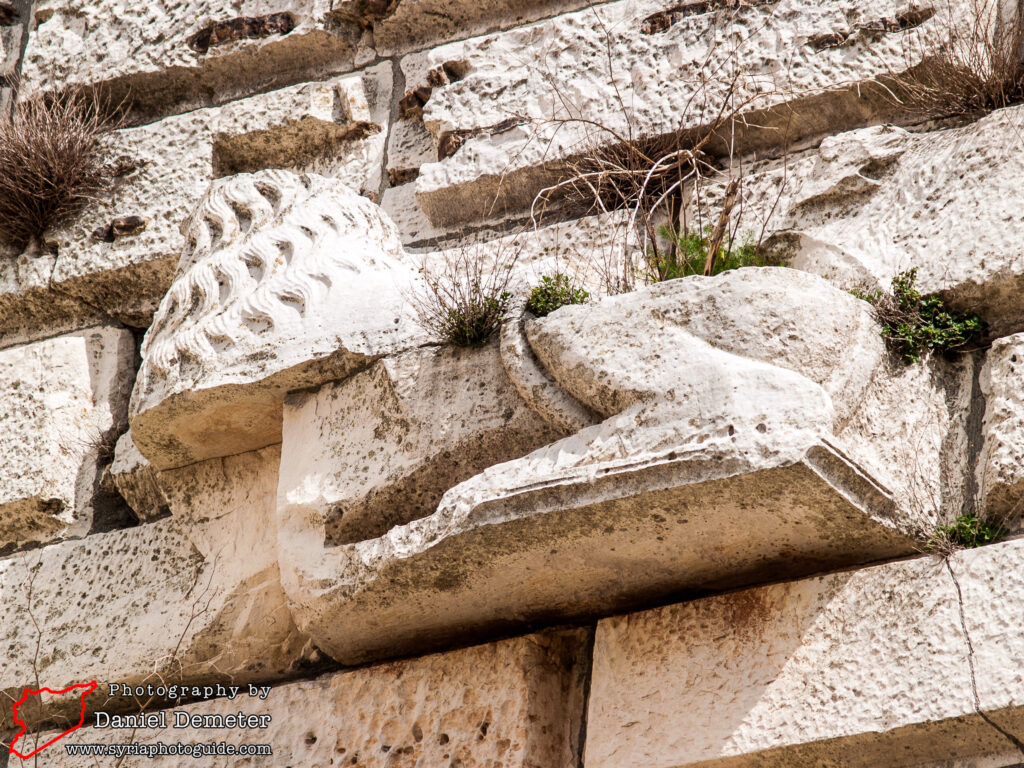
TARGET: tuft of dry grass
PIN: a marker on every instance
(53, 162)
(468, 294)
(972, 67)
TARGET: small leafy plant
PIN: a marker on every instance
(913, 324)
(966, 532)
(689, 254)
(552, 293)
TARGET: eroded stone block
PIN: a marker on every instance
(174, 55)
(503, 109)
(1002, 452)
(864, 668)
(516, 704)
(288, 281)
(193, 597)
(64, 400)
(721, 399)
(875, 202)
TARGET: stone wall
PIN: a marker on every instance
(255, 501)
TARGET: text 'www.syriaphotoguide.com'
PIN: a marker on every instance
(159, 749)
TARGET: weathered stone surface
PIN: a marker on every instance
(582, 249)
(183, 54)
(1002, 452)
(714, 392)
(64, 400)
(137, 481)
(513, 704)
(176, 55)
(194, 597)
(336, 127)
(863, 668)
(501, 121)
(288, 281)
(878, 201)
(989, 579)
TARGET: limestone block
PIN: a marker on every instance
(989, 579)
(137, 481)
(875, 202)
(370, 468)
(288, 281)
(583, 249)
(1002, 452)
(863, 668)
(193, 597)
(63, 400)
(409, 25)
(183, 54)
(515, 704)
(497, 106)
(720, 398)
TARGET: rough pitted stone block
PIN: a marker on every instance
(1002, 455)
(497, 115)
(183, 54)
(288, 281)
(63, 400)
(864, 668)
(336, 128)
(716, 465)
(512, 704)
(875, 202)
(194, 597)
(176, 55)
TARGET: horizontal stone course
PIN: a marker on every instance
(512, 704)
(878, 666)
(504, 109)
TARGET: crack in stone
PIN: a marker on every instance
(970, 662)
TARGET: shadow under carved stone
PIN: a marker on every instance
(288, 281)
(716, 465)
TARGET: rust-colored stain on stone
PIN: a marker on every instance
(241, 28)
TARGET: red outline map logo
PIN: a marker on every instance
(87, 689)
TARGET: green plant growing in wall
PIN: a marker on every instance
(966, 532)
(554, 292)
(689, 256)
(913, 325)
(467, 294)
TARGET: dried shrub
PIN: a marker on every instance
(973, 67)
(54, 155)
(467, 296)
(660, 179)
